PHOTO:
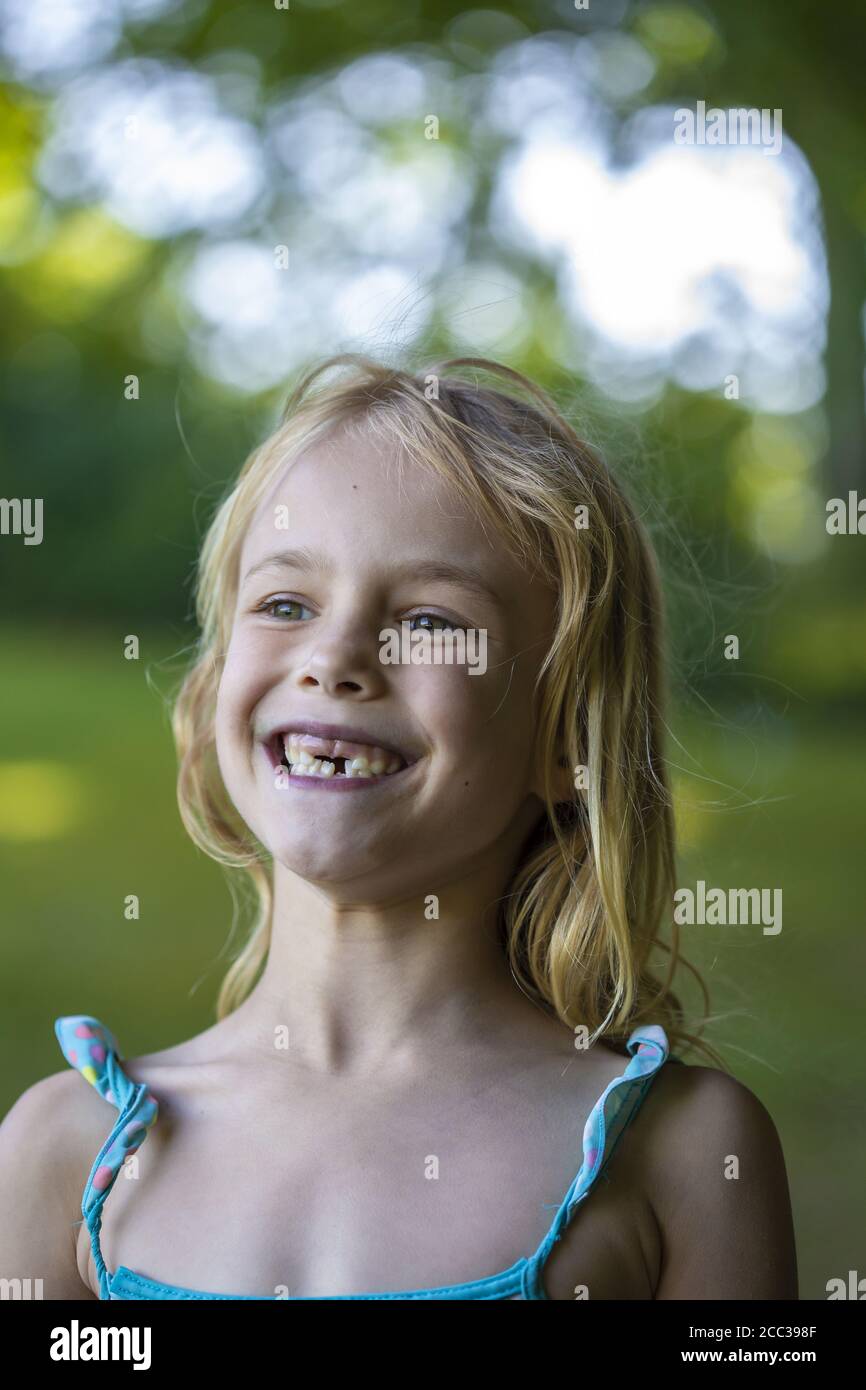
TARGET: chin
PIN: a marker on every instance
(315, 864)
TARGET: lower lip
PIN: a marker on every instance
(335, 783)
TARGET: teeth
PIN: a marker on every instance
(303, 763)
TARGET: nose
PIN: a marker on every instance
(342, 663)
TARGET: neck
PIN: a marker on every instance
(355, 986)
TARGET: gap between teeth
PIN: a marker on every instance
(308, 766)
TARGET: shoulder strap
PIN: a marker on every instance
(92, 1049)
(605, 1126)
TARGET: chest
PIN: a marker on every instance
(328, 1192)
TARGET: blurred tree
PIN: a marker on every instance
(89, 300)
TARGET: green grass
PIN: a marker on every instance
(87, 771)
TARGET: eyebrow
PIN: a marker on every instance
(425, 571)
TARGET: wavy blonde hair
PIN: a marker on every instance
(595, 881)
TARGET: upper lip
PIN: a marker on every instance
(349, 733)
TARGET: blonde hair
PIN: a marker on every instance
(583, 912)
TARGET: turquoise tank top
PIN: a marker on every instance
(90, 1047)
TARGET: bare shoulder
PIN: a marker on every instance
(715, 1176)
(48, 1141)
(700, 1110)
(54, 1126)
(213, 1047)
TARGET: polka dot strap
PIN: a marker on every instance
(87, 1044)
(609, 1118)
(92, 1049)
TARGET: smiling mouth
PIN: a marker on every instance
(306, 756)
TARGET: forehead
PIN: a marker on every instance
(357, 473)
(354, 497)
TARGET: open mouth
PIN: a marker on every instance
(305, 755)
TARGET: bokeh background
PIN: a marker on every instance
(500, 181)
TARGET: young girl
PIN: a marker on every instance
(441, 1066)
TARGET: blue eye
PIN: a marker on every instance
(436, 618)
(270, 605)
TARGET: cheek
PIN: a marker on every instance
(223, 737)
(236, 697)
(226, 701)
(481, 727)
(244, 674)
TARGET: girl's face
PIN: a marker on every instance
(341, 548)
